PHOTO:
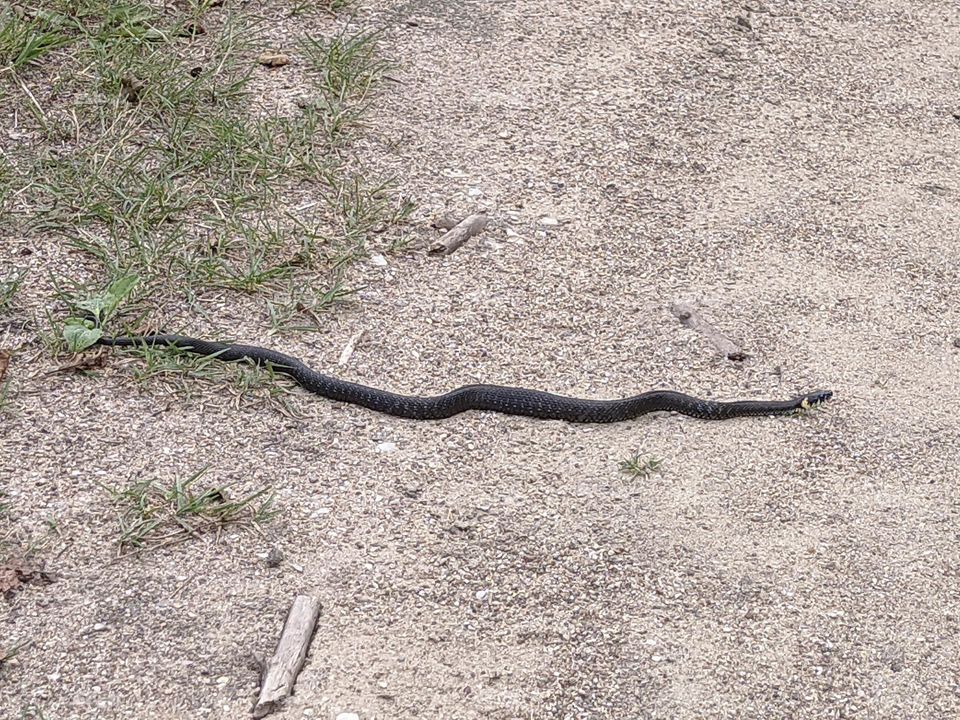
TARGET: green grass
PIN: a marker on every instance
(152, 157)
(153, 513)
(9, 652)
(9, 287)
(190, 376)
(25, 40)
(640, 466)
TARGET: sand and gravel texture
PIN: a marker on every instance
(790, 167)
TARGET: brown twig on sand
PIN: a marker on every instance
(689, 316)
(459, 234)
(282, 669)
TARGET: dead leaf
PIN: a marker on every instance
(16, 573)
(131, 89)
(84, 362)
(273, 59)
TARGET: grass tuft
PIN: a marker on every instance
(641, 467)
(154, 513)
(25, 40)
(9, 287)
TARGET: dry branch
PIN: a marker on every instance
(689, 316)
(283, 668)
(459, 234)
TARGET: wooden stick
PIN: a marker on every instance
(283, 668)
(349, 348)
(459, 234)
(689, 316)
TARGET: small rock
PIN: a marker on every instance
(99, 627)
(274, 557)
(386, 447)
(956, 341)
(378, 260)
(482, 594)
(550, 221)
(474, 192)
(347, 716)
(273, 59)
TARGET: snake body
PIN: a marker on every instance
(495, 398)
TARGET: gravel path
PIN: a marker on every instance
(792, 170)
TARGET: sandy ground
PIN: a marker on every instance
(795, 174)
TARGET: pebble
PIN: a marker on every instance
(378, 260)
(347, 716)
(482, 594)
(274, 557)
(547, 220)
(386, 447)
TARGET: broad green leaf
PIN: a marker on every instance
(80, 334)
(104, 304)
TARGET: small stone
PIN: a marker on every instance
(223, 680)
(386, 447)
(549, 221)
(378, 260)
(99, 627)
(347, 716)
(482, 594)
(273, 59)
(474, 192)
(956, 341)
(274, 557)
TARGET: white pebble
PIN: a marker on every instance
(347, 716)
(481, 594)
(386, 447)
(547, 220)
(378, 259)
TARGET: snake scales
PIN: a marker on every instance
(496, 398)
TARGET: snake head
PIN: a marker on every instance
(816, 398)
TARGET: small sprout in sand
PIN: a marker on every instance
(154, 513)
(9, 286)
(640, 466)
(9, 653)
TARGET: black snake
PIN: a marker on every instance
(495, 398)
